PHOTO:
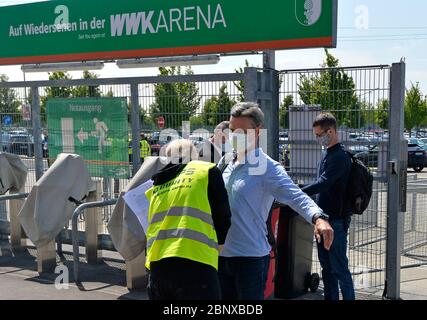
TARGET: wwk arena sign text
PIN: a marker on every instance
(76, 30)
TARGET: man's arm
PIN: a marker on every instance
(285, 191)
(218, 200)
(336, 169)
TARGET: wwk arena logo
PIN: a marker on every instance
(308, 12)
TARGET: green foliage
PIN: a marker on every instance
(415, 108)
(283, 113)
(69, 92)
(381, 114)
(87, 91)
(56, 92)
(9, 102)
(240, 85)
(334, 91)
(217, 109)
(176, 102)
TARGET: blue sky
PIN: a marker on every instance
(397, 29)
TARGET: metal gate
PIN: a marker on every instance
(190, 101)
(363, 99)
(367, 102)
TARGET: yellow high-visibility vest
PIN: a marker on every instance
(145, 149)
(180, 218)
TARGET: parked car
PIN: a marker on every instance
(355, 149)
(416, 157)
(6, 143)
(424, 141)
(22, 143)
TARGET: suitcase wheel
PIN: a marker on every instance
(314, 282)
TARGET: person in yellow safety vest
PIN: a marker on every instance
(189, 217)
(130, 151)
(145, 148)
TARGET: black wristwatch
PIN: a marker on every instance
(320, 216)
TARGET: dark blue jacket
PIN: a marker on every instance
(330, 187)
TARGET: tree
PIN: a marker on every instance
(9, 102)
(176, 102)
(197, 122)
(217, 109)
(209, 111)
(240, 85)
(333, 90)
(225, 104)
(415, 108)
(109, 93)
(381, 114)
(284, 109)
(56, 92)
(188, 94)
(87, 91)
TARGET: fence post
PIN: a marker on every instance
(396, 172)
(3, 212)
(414, 205)
(136, 127)
(38, 152)
(17, 242)
(136, 274)
(250, 85)
(264, 88)
(92, 221)
(46, 258)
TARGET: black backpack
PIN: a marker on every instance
(359, 188)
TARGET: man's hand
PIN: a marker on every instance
(324, 230)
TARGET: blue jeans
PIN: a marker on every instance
(243, 278)
(335, 271)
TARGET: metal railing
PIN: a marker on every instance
(77, 212)
(5, 223)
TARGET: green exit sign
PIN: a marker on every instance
(96, 129)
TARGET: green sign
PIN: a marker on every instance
(94, 128)
(75, 30)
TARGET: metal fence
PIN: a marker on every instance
(191, 101)
(359, 97)
(414, 251)
(354, 96)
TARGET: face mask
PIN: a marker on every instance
(324, 140)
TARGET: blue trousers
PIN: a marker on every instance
(335, 271)
(243, 278)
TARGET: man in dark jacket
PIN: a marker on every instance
(189, 218)
(217, 146)
(330, 188)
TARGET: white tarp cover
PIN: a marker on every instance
(13, 173)
(124, 227)
(48, 208)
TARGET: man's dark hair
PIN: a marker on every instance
(325, 121)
